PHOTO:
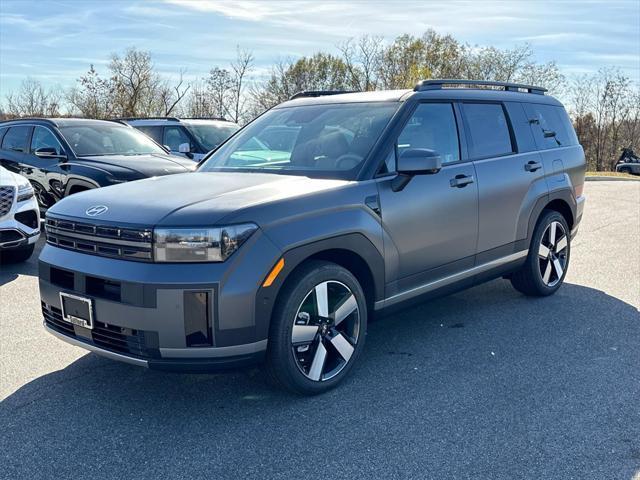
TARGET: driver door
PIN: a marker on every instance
(432, 223)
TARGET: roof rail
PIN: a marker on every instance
(319, 93)
(221, 119)
(508, 87)
(126, 119)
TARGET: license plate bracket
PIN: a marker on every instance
(77, 310)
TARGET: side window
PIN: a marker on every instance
(17, 139)
(550, 125)
(3, 130)
(153, 132)
(174, 136)
(432, 126)
(43, 138)
(488, 130)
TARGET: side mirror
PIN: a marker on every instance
(417, 161)
(49, 152)
(184, 148)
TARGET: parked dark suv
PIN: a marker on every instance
(61, 156)
(190, 137)
(283, 255)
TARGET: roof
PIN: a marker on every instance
(60, 122)
(175, 121)
(435, 94)
(375, 96)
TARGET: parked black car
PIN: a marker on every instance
(62, 156)
(628, 162)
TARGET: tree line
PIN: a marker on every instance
(605, 106)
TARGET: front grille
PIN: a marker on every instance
(116, 339)
(6, 199)
(102, 240)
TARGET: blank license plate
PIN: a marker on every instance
(77, 310)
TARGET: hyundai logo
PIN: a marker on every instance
(96, 210)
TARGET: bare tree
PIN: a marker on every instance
(240, 68)
(92, 97)
(362, 58)
(135, 83)
(33, 100)
(220, 85)
(171, 96)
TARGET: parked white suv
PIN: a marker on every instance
(19, 217)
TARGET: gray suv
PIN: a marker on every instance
(321, 212)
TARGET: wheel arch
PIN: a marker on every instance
(353, 252)
(561, 201)
(75, 185)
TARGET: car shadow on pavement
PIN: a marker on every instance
(11, 271)
(465, 383)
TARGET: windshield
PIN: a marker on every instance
(97, 139)
(212, 135)
(327, 141)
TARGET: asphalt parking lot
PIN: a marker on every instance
(482, 384)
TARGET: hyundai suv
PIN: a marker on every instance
(190, 137)
(19, 218)
(382, 198)
(62, 156)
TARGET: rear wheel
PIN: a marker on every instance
(548, 257)
(16, 255)
(318, 328)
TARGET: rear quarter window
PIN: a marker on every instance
(551, 126)
(488, 130)
(17, 139)
(152, 131)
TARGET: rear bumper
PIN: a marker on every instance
(580, 201)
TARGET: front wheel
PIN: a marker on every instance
(548, 258)
(318, 328)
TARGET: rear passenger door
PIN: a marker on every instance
(432, 222)
(562, 156)
(510, 175)
(15, 147)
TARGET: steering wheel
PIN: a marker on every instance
(348, 161)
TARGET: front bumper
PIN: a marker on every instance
(14, 234)
(141, 311)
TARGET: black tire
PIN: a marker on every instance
(283, 365)
(16, 255)
(529, 279)
(625, 170)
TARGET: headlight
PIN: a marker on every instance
(199, 244)
(25, 191)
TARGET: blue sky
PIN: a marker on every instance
(54, 41)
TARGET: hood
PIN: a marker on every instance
(145, 165)
(199, 198)
(9, 179)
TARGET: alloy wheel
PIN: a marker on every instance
(325, 330)
(552, 253)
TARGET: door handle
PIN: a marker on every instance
(532, 166)
(460, 181)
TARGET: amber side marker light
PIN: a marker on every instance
(274, 273)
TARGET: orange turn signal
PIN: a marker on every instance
(274, 273)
